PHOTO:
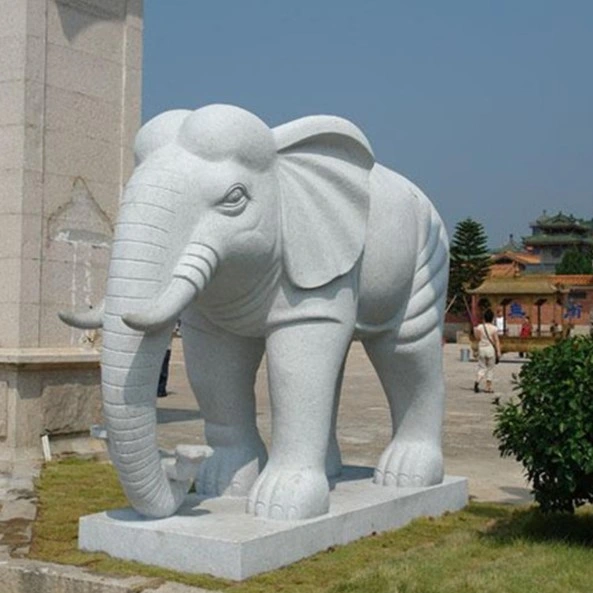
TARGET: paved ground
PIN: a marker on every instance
(18, 507)
(364, 428)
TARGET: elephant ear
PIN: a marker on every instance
(324, 164)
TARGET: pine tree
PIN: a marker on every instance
(575, 262)
(470, 261)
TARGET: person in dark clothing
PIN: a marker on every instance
(164, 376)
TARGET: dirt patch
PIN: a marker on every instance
(15, 533)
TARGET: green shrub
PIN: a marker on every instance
(549, 429)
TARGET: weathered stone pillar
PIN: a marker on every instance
(70, 85)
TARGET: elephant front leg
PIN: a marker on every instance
(222, 368)
(304, 362)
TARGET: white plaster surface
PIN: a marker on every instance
(215, 536)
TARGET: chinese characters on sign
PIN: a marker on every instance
(573, 310)
(516, 310)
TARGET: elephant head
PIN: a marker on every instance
(215, 200)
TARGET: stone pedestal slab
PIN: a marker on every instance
(48, 391)
(216, 536)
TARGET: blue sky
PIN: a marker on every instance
(486, 105)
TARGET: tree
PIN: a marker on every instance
(470, 261)
(575, 262)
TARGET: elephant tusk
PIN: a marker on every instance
(91, 319)
(163, 310)
(192, 274)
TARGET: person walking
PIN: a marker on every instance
(526, 331)
(488, 351)
(500, 322)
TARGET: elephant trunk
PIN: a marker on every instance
(132, 359)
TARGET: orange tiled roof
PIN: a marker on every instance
(528, 258)
(530, 284)
(522, 258)
(574, 279)
(503, 270)
(533, 284)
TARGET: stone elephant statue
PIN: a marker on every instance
(291, 241)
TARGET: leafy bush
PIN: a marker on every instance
(549, 429)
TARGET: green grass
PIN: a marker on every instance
(484, 548)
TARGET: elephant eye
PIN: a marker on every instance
(235, 200)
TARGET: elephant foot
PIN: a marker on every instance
(230, 471)
(410, 463)
(289, 494)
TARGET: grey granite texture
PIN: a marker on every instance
(214, 536)
(291, 241)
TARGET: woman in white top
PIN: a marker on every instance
(488, 351)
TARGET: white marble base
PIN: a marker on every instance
(216, 537)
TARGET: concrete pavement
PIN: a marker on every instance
(363, 422)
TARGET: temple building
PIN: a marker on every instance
(523, 281)
(565, 300)
(551, 236)
(511, 260)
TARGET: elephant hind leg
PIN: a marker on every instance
(412, 378)
(409, 362)
(222, 368)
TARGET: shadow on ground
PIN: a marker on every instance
(530, 524)
(169, 415)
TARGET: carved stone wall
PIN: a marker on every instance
(70, 88)
(70, 83)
